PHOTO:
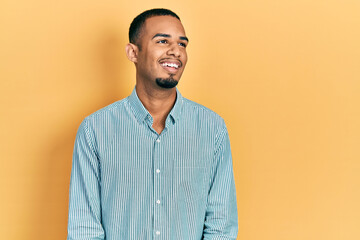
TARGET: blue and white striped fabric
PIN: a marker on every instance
(129, 182)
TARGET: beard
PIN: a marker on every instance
(166, 82)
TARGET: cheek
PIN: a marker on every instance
(185, 60)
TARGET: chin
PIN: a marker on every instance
(166, 82)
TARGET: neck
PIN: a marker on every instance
(158, 102)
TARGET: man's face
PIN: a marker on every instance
(162, 57)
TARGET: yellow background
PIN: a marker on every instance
(283, 74)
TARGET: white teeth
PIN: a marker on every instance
(174, 65)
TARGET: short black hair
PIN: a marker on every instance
(138, 22)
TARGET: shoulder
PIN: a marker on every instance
(110, 110)
(203, 119)
(106, 119)
(202, 112)
(101, 124)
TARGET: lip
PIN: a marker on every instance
(170, 60)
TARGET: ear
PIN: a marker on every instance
(132, 52)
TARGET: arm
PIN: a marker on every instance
(221, 213)
(84, 205)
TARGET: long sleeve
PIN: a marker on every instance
(84, 205)
(221, 213)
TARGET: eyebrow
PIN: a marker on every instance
(169, 36)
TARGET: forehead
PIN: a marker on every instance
(163, 24)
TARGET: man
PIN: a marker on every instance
(154, 165)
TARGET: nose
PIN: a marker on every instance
(174, 50)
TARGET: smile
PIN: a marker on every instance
(170, 66)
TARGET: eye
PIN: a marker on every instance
(162, 41)
(182, 44)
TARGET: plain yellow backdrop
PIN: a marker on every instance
(283, 74)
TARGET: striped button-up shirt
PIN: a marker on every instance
(129, 182)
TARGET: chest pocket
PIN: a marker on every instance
(190, 183)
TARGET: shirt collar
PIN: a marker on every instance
(141, 112)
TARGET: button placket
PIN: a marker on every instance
(157, 186)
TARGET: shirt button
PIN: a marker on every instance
(157, 170)
(158, 140)
(158, 201)
(157, 232)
